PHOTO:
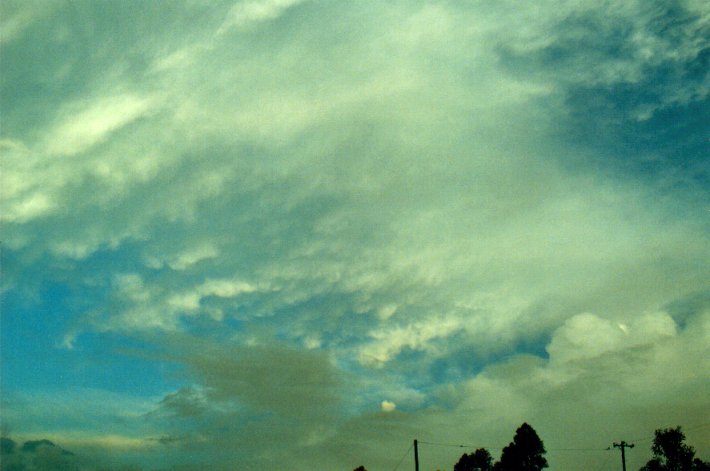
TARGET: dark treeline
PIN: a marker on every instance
(527, 453)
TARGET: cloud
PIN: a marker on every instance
(89, 125)
(599, 376)
(485, 214)
(269, 379)
(35, 455)
(48, 414)
(184, 260)
(186, 402)
(388, 344)
(17, 17)
(588, 336)
(248, 12)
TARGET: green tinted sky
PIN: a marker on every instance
(244, 233)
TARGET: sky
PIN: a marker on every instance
(300, 233)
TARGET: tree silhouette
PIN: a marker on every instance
(524, 453)
(670, 453)
(360, 468)
(479, 460)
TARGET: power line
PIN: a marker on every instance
(443, 444)
(454, 445)
(648, 438)
(697, 427)
(591, 450)
(606, 462)
(403, 457)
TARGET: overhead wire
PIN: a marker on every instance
(605, 462)
(684, 429)
(454, 445)
(697, 427)
(404, 456)
(445, 444)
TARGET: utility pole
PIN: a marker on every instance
(623, 445)
(416, 456)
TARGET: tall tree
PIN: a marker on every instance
(670, 453)
(479, 460)
(525, 453)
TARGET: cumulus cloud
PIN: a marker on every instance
(587, 336)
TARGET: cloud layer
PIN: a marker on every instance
(302, 231)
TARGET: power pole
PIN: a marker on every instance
(623, 445)
(416, 456)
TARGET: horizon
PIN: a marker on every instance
(425, 462)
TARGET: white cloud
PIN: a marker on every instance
(586, 336)
(188, 258)
(388, 406)
(189, 302)
(81, 126)
(38, 179)
(17, 17)
(389, 342)
(249, 12)
(20, 201)
(140, 306)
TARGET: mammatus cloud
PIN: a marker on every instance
(333, 227)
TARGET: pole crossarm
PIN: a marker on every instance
(623, 445)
